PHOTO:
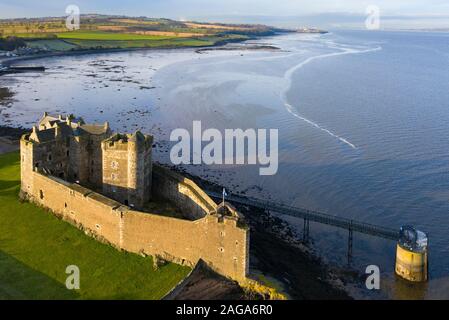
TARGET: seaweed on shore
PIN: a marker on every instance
(6, 96)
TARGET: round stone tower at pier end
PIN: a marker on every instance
(411, 255)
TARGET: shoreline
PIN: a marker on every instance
(219, 44)
(11, 61)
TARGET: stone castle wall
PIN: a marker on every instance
(182, 192)
(220, 241)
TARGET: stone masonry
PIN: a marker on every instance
(99, 181)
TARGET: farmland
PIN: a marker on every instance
(107, 32)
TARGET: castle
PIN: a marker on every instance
(107, 185)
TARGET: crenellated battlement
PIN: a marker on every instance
(122, 141)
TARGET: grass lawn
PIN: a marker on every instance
(36, 248)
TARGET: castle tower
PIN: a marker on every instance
(127, 168)
(64, 147)
(26, 163)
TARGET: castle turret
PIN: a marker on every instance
(26, 163)
(57, 131)
(127, 168)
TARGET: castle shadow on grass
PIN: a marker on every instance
(36, 247)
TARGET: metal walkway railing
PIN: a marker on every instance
(315, 216)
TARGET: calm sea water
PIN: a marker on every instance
(363, 121)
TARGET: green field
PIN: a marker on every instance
(108, 32)
(77, 44)
(111, 36)
(107, 44)
(105, 40)
(36, 248)
(53, 45)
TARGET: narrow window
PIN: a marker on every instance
(68, 153)
(49, 157)
(41, 195)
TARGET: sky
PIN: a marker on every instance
(402, 13)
